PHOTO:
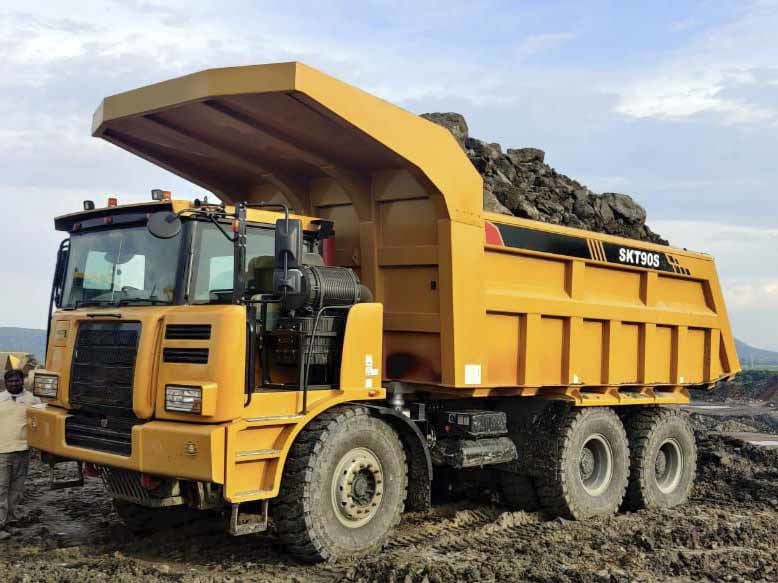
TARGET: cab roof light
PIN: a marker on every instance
(89, 205)
(158, 194)
(113, 201)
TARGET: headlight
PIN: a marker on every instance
(45, 385)
(183, 399)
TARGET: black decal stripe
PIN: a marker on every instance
(521, 238)
(558, 244)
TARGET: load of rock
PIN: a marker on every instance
(518, 182)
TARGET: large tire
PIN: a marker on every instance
(343, 487)
(141, 520)
(664, 459)
(589, 465)
(518, 492)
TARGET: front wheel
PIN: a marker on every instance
(343, 487)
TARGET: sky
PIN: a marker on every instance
(674, 103)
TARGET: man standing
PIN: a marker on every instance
(14, 455)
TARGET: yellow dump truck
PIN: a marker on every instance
(343, 325)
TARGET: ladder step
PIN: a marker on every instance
(242, 523)
(274, 420)
(253, 455)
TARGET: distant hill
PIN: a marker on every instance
(23, 340)
(34, 341)
(757, 356)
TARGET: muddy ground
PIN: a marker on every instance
(727, 532)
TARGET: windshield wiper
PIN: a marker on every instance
(86, 303)
(141, 301)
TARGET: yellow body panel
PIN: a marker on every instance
(243, 447)
(179, 450)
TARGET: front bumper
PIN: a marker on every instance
(187, 451)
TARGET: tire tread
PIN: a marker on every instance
(553, 484)
(292, 509)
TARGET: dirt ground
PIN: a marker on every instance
(727, 532)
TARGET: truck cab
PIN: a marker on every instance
(162, 354)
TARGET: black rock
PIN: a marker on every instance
(519, 182)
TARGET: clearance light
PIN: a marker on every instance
(113, 201)
(45, 385)
(183, 399)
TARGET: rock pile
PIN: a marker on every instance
(518, 182)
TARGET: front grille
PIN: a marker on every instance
(111, 434)
(185, 355)
(104, 366)
(188, 332)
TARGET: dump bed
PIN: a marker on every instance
(475, 303)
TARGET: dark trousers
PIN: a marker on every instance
(13, 473)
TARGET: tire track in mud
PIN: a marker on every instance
(423, 529)
(465, 530)
(446, 530)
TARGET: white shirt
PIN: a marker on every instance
(13, 420)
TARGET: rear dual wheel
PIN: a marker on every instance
(588, 467)
(664, 459)
(598, 464)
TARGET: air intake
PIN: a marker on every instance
(188, 332)
(185, 355)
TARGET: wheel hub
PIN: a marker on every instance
(357, 487)
(668, 466)
(586, 463)
(595, 464)
(660, 466)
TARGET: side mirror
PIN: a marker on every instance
(164, 225)
(287, 278)
(289, 243)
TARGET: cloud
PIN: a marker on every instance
(712, 73)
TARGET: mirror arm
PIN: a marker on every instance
(239, 246)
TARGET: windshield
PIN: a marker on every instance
(121, 266)
(213, 265)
